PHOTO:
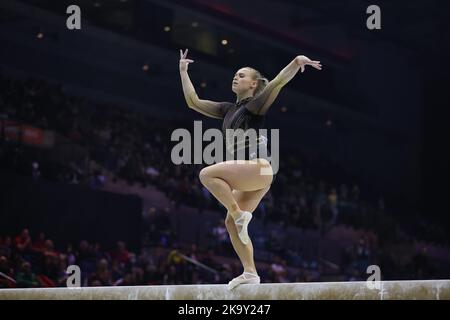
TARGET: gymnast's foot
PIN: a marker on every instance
(245, 278)
(241, 221)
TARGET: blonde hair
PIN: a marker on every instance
(262, 81)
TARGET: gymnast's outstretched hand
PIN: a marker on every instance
(184, 62)
(303, 61)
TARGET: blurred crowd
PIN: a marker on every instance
(95, 142)
(93, 139)
(27, 262)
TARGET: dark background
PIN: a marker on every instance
(377, 113)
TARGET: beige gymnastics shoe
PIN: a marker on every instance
(242, 226)
(245, 278)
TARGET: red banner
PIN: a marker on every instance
(27, 134)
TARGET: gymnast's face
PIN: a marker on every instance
(243, 81)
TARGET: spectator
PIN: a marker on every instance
(39, 244)
(221, 236)
(5, 246)
(6, 273)
(278, 269)
(355, 192)
(26, 278)
(35, 172)
(23, 242)
(49, 250)
(121, 254)
(333, 205)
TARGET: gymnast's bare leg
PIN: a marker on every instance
(239, 186)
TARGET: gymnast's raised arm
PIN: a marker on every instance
(261, 103)
(208, 108)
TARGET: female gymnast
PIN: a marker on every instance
(238, 184)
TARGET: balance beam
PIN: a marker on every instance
(389, 290)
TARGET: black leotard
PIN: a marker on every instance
(242, 116)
